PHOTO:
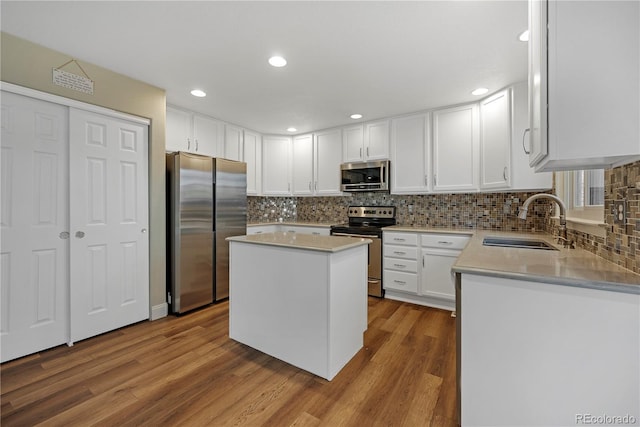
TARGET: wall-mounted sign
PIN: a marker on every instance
(73, 81)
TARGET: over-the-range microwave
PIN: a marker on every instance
(365, 176)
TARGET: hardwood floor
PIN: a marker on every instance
(185, 371)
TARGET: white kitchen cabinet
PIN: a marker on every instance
(592, 78)
(261, 229)
(208, 136)
(316, 163)
(455, 149)
(495, 141)
(252, 146)
(399, 263)
(410, 154)
(193, 133)
(233, 143)
(305, 229)
(302, 165)
(368, 142)
(276, 165)
(523, 176)
(328, 157)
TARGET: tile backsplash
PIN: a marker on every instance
(486, 211)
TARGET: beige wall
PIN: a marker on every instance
(29, 65)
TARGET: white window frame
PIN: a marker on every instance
(566, 189)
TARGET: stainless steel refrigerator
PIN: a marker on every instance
(206, 203)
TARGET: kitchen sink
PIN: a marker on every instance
(515, 242)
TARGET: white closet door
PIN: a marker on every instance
(34, 217)
(109, 223)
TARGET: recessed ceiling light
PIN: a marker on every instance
(277, 61)
(480, 91)
(356, 116)
(524, 36)
(199, 93)
(291, 129)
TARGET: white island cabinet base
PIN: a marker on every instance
(305, 307)
(543, 354)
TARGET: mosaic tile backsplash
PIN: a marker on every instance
(486, 211)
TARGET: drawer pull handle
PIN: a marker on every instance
(398, 239)
(399, 253)
(444, 242)
(399, 265)
(400, 282)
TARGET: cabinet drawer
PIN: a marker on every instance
(406, 252)
(400, 281)
(401, 264)
(444, 241)
(401, 238)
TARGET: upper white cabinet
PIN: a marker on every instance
(495, 140)
(327, 152)
(592, 78)
(276, 169)
(368, 142)
(410, 154)
(193, 133)
(316, 163)
(233, 139)
(302, 165)
(252, 149)
(455, 149)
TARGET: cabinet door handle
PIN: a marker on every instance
(288, 186)
(309, 185)
(523, 146)
(504, 173)
(79, 234)
(196, 145)
(435, 179)
(361, 153)
(188, 144)
(426, 180)
(367, 151)
(316, 185)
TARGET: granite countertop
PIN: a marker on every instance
(302, 241)
(569, 267)
(300, 223)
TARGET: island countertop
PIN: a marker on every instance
(302, 241)
(569, 267)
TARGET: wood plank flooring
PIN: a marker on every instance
(185, 371)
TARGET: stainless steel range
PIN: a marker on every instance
(368, 221)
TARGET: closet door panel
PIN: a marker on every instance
(34, 226)
(109, 222)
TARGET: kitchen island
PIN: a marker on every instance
(300, 298)
(545, 337)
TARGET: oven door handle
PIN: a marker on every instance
(354, 235)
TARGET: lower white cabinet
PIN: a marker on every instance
(417, 267)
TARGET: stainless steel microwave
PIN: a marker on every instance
(365, 176)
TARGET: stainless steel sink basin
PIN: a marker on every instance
(515, 242)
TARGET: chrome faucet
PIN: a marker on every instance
(562, 238)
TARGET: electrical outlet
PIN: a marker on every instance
(619, 211)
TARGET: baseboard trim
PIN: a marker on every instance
(159, 311)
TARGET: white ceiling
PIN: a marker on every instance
(375, 58)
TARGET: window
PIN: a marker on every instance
(583, 193)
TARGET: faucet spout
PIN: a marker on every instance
(563, 213)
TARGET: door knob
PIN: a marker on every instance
(64, 235)
(79, 234)
(144, 230)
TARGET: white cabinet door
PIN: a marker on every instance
(302, 165)
(276, 165)
(437, 279)
(34, 213)
(537, 81)
(352, 142)
(252, 157)
(410, 154)
(179, 135)
(233, 143)
(208, 136)
(109, 241)
(328, 156)
(495, 141)
(376, 140)
(455, 148)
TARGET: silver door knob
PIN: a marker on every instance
(79, 234)
(144, 230)
(64, 235)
